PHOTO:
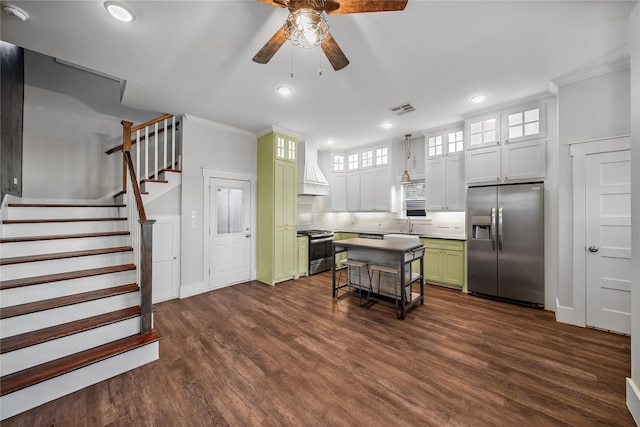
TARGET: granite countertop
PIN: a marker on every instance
(421, 235)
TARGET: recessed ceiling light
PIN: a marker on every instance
(120, 11)
(284, 90)
(478, 98)
(387, 125)
(329, 141)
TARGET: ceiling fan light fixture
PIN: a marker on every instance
(306, 28)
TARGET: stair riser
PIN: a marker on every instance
(27, 294)
(40, 268)
(44, 319)
(51, 350)
(62, 212)
(54, 388)
(57, 228)
(10, 250)
(156, 190)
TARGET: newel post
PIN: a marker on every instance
(146, 280)
(126, 147)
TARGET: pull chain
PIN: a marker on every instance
(320, 72)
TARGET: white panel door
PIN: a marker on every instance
(436, 184)
(367, 190)
(230, 232)
(353, 191)
(454, 182)
(608, 241)
(524, 160)
(339, 192)
(483, 166)
(166, 266)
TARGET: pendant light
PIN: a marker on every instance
(405, 176)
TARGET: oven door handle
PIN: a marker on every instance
(326, 239)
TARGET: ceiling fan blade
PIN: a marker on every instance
(334, 54)
(277, 3)
(360, 6)
(271, 47)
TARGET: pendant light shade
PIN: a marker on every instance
(405, 176)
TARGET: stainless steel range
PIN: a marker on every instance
(320, 250)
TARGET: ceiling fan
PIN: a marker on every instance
(306, 26)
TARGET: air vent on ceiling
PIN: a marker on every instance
(403, 108)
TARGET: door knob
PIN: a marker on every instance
(593, 248)
(247, 236)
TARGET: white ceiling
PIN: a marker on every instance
(195, 57)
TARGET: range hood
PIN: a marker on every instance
(311, 181)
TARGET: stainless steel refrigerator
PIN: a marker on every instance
(505, 242)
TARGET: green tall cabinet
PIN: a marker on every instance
(276, 222)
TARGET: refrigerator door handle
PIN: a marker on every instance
(500, 229)
(493, 228)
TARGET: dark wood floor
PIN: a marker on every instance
(290, 355)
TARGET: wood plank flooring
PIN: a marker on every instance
(290, 355)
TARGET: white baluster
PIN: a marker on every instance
(138, 142)
(164, 148)
(155, 157)
(173, 142)
(146, 155)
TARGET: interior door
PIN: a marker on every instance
(608, 241)
(230, 231)
(166, 266)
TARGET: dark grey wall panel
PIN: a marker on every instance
(12, 96)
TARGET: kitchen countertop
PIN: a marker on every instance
(426, 236)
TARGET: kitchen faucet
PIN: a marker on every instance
(410, 225)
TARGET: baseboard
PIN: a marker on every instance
(633, 400)
(192, 289)
(568, 315)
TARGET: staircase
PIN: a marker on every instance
(69, 302)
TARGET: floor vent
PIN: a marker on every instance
(403, 108)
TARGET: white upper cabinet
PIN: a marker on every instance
(508, 145)
(361, 179)
(445, 183)
(353, 191)
(483, 131)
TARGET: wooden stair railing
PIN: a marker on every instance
(143, 238)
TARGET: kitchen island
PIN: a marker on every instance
(398, 254)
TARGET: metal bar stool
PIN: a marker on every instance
(350, 264)
(393, 271)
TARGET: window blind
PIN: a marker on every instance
(413, 196)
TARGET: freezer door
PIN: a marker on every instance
(521, 242)
(482, 270)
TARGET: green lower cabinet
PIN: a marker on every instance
(444, 262)
(303, 256)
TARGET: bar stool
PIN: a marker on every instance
(395, 273)
(350, 264)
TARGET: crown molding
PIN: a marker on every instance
(278, 129)
(594, 71)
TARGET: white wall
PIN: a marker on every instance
(206, 144)
(71, 117)
(589, 109)
(633, 385)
